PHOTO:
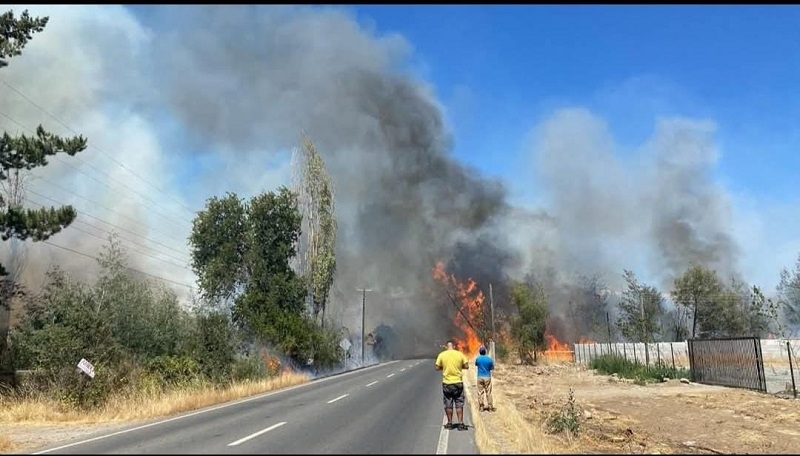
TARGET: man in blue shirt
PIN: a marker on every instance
(485, 365)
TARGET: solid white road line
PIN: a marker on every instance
(390, 375)
(370, 384)
(336, 399)
(211, 409)
(252, 436)
(444, 435)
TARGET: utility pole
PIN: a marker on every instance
(363, 320)
(491, 306)
(644, 330)
(493, 343)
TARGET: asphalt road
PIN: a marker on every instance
(389, 408)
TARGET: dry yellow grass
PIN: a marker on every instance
(6, 445)
(505, 430)
(144, 406)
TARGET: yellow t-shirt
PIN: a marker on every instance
(451, 362)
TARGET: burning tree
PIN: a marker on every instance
(468, 300)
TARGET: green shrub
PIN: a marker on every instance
(249, 368)
(567, 419)
(641, 374)
(77, 391)
(173, 370)
(501, 351)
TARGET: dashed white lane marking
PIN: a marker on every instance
(370, 384)
(337, 398)
(254, 435)
(390, 375)
(401, 370)
(211, 409)
(441, 447)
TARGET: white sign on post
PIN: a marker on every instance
(86, 367)
(345, 344)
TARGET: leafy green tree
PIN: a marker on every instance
(641, 310)
(241, 252)
(219, 240)
(789, 294)
(762, 315)
(318, 244)
(719, 309)
(588, 304)
(529, 325)
(675, 324)
(146, 317)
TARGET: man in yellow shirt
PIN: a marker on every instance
(451, 362)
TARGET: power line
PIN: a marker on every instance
(123, 238)
(79, 160)
(122, 165)
(126, 267)
(134, 250)
(102, 206)
(84, 213)
(184, 261)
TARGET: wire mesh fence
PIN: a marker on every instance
(736, 362)
(778, 373)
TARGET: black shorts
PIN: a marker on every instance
(453, 395)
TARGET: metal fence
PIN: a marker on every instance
(735, 362)
(667, 353)
(782, 371)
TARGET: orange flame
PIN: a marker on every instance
(470, 300)
(556, 350)
(273, 364)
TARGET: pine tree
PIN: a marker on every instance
(24, 153)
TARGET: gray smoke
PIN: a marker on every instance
(246, 80)
(655, 212)
(260, 75)
(691, 215)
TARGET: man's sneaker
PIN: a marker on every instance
(461, 427)
(449, 426)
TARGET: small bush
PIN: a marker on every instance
(249, 368)
(501, 351)
(173, 370)
(78, 391)
(567, 419)
(641, 374)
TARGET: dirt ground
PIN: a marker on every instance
(21, 438)
(617, 416)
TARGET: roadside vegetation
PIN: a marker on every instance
(625, 368)
(255, 324)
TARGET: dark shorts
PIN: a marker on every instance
(453, 395)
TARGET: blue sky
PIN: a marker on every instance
(499, 69)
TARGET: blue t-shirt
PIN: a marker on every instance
(485, 366)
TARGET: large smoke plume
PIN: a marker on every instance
(243, 82)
